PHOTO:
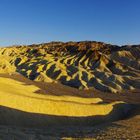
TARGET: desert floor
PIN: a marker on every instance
(45, 111)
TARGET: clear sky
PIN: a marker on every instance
(38, 21)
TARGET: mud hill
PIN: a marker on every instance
(83, 65)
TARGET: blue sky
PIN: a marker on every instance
(38, 21)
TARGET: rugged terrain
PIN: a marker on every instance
(83, 65)
(82, 90)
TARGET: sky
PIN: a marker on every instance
(39, 21)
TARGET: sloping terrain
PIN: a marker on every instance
(121, 130)
(23, 96)
(27, 111)
(66, 90)
(83, 65)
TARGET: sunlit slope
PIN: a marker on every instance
(19, 95)
(83, 65)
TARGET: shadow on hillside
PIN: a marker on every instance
(17, 77)
(50, 88)
(62, 125)
(9, 116)
(58, 89)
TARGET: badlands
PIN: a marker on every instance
(72, 90)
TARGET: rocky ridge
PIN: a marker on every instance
(83, 65)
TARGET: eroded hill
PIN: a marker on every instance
(83, 65)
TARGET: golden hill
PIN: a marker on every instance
(83, 65)
(27, 113)
(37, 95)
(22, 105)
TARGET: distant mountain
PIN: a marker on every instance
(83, 65)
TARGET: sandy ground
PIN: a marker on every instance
(125, 129)
(128, 128)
